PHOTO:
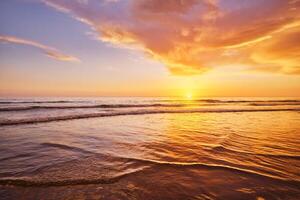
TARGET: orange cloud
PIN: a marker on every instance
(282, 51)
(49, 51)
(193, 36)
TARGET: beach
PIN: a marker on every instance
(149, 148)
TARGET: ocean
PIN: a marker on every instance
(150, 148)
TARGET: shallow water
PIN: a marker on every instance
(150, 148)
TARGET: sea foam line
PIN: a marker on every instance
(136, 112)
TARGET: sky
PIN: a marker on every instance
(150, 48)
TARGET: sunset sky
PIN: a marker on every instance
(149, 48)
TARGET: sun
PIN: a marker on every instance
(189, 96)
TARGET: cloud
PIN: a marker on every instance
(194, 36)
(49, 51)
(282, 51)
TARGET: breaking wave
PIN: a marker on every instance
(143, 166)
(39, 102)
(89, 106)
(134, 112)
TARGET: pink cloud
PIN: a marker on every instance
(49, 51)
(194, 36)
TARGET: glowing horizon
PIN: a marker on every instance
(185, 48)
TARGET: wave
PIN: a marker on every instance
(90, 106)
(16, 101)
(233, 101)
(136, 112)
(29, 108)
(22, 155)
(275, 104)
(40, 102)
(144, 165)
(212, 167)
(62, 104)
(255, 101)
(66, 147)
(222, 149)
(67, 182)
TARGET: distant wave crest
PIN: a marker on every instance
(89, 106)
(134, 112)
